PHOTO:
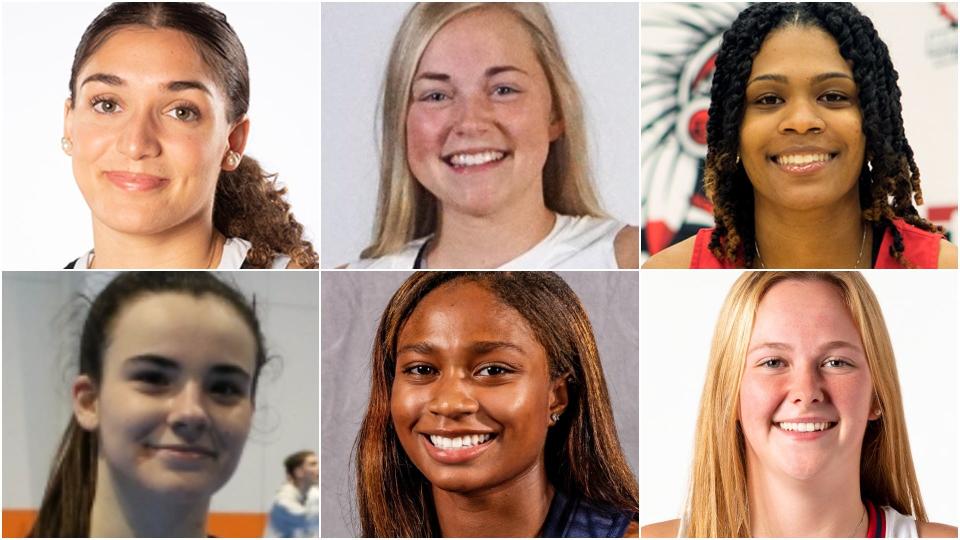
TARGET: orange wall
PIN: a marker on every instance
(16, 523)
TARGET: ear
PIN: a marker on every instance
(86, 403)
(556, 128)
(875, 411)
(237, 142)
(558, 395)
(67, 118)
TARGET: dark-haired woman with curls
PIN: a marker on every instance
(156, 126)
(807, 163)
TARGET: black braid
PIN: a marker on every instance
(891, 183)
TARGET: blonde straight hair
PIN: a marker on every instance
(405, 210)
(717, 504)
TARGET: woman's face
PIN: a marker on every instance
(149, 131)
(472, 394)
(174, 405)
(481, 119)
(806, 392)
(801, 140)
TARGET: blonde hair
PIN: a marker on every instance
(718, 504)
(405, 210)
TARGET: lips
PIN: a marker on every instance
(183, 451)
(130, 181)
(475, 159)
(449, 448)
(806, 428)
(803, 160)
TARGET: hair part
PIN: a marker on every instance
(68, 497)
(889, 181)
(582, 451)
(718, 504)
(248, 202)
(405, 209)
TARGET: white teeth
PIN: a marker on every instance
(459, 442)
(472, 160)
(801, 159)
(804, 426)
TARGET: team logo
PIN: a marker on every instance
(678, 54)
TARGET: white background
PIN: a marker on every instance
(678, 312)
(46, 222)
(40, 344)
(600, 45)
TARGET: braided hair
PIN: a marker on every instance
(889, 182)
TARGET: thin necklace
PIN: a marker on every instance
(863, 241)
(858, 523)
(213, 252)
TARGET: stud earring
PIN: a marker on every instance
(67, 145)
(878, 412)
(233, 159)
(555, 417)
(738, 158)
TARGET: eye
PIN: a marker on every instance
(836, 363)
(155, 379)
(834, 98)
(104, 105)
(768, 100)
(494, 371)
(227, 390)
(420, 370)
(434, 97)
(772, 363)
(184, 113)
(505, 91)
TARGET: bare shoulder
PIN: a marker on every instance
(626, 246)
(664, 529)
(675, 256)
(633, 530)
(935, 530)
(293, 265)
(948, 255)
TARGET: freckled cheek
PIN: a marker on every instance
(758, 403)
(425, 137)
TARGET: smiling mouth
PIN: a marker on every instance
(805, 427)
(184, 451)
(465, 160)
(466, 441)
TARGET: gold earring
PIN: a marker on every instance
(67, 145)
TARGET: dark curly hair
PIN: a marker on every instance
(248, 203)
(889, 183)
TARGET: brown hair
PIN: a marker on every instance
(582, 451)
(248, 202)
(68, 498)
(295, 460)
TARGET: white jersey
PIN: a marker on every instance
(575, 242)
(234, 253)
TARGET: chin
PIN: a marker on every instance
(182, 486)
(133, 220)
(800, 467)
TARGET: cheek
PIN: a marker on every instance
(758, 402)
(424, 136)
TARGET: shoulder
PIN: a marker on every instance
(675, 256)
(627, 247)
(935, 530)
(664, 529)
(948, 255)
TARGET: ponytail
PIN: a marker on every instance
(249, 204)
(68, 498)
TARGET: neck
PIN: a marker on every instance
(826, 506)
(192, 244)
(517, 508)
(488, 241)
(123, 511)
(834, 237)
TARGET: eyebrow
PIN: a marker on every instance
(172, 86)
(479, 347)
(776, 77)
(162, 362)
(490, 72)
(828, 346)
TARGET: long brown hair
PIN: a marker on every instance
(582, 451)
(248, 202)
(68, 498)
(717, 504)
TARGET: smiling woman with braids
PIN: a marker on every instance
(807, 163)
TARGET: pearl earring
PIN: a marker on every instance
(233, 159)
(67, 145)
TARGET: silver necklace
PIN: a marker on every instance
(863, 241)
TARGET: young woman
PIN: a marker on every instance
(489, 415)
(801, 431)
(807, 163)
(484, 151)
(162, 405)
(156, 128)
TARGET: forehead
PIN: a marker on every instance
(800, 50)
(481, 36)
(196, 331)
(459, 313)
(151, 56)
(804, 311)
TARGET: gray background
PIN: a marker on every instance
(352, 305)
(601, 45)
(40, 340)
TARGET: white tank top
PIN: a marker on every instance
(234, 252)
(583, 242)
(897, 525)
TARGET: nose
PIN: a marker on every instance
(138, 137)
(188, 416)
(806, 386)
(474, 115)
(802, 117)
(452, 397)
